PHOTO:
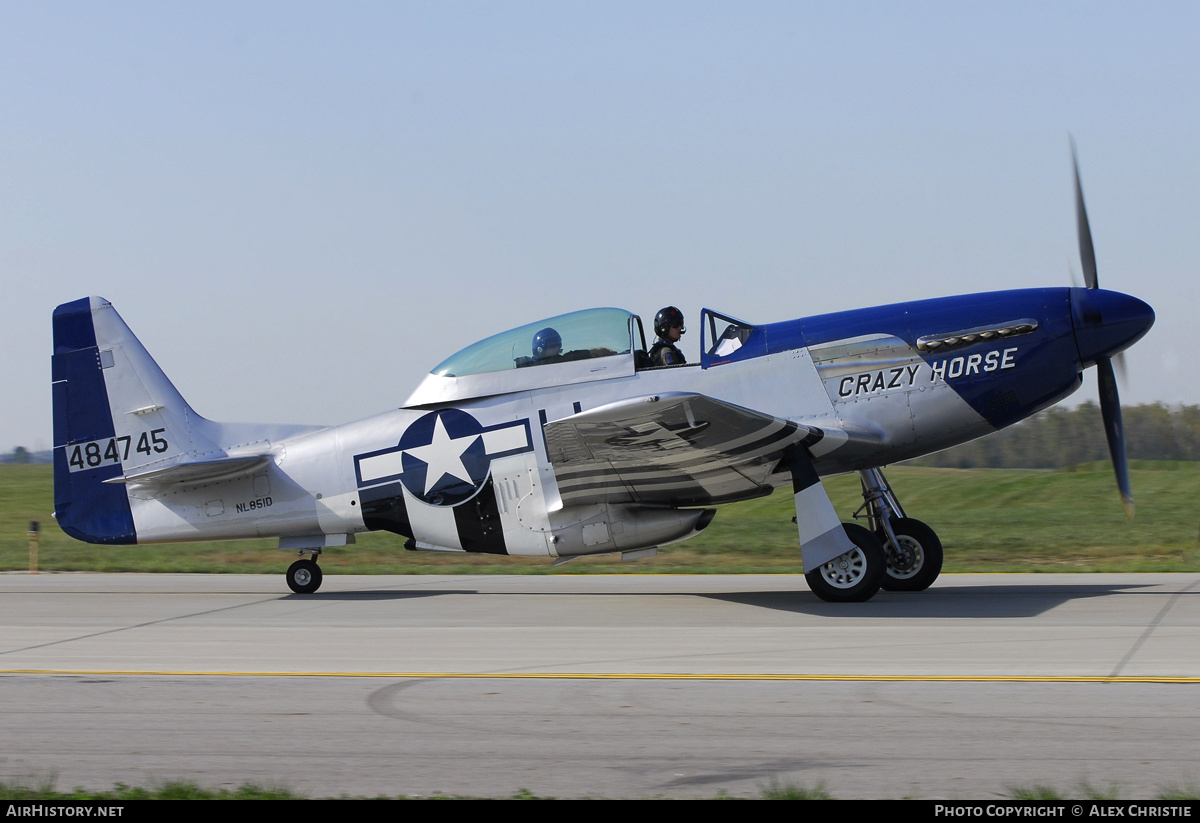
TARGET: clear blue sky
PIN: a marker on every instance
(300, 208)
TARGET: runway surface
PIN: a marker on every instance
(602, 686)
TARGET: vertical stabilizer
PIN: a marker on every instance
(115, 412)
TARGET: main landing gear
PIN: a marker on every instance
(854, 576)
(912, 549)
(304, 576)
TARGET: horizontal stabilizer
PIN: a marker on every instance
(198, 471)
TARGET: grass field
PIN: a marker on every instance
(989, 520)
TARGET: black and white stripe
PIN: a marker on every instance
(678, 450)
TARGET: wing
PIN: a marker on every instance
(674, 449)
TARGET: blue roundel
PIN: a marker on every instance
(444, 457)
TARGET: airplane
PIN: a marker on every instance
(515, 446)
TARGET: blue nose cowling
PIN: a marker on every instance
(1107, 322)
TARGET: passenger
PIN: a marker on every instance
(547, 348)
(668, 325)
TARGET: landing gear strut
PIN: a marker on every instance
(304, 576)
(914, 552)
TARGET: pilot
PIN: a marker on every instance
(668, 325)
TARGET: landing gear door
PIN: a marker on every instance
(721, 337)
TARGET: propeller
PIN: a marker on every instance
(1110, 401)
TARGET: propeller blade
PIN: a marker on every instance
(1074, 277)
(1110, 410)
(1087, 253)
(1110, 401)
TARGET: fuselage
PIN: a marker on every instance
(464, 466)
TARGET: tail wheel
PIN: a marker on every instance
(304, 577)
(854, 576)
(914, 561)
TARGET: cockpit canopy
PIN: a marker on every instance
(596, 344)
(584, 334)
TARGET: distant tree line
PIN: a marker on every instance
(1058, 437)
(22, 455)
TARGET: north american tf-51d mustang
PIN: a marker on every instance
(559, 439)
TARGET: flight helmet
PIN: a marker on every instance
(668, 318)
(547, 338)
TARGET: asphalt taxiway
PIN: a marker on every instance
(603, 686)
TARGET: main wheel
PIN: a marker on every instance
(304, 577)
(915, 563)
(854, 576)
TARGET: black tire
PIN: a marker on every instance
(854, 576)
(304, 577)
(919, 565)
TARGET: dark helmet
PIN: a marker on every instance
(668, 318)
(547, 338)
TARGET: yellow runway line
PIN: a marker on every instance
(877, 678)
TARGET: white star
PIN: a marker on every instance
(444, 456)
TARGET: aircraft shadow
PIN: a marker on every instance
(958, 602)
(369, 596)
(987, 601)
